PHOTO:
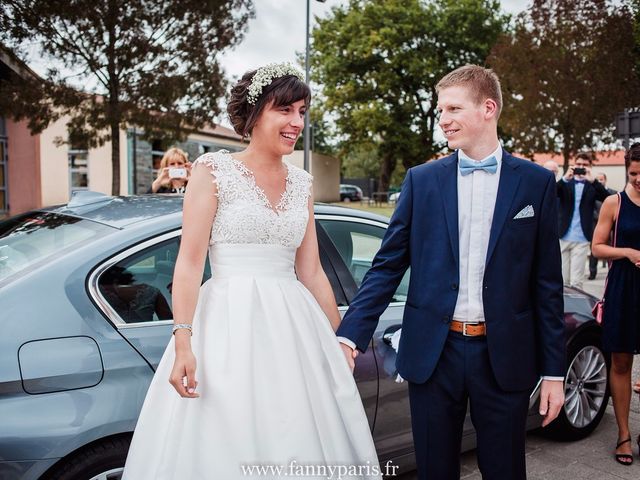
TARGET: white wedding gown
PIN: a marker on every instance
(275, 389)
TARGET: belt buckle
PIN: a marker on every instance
(464, 329)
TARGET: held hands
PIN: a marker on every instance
(184, 367)
(350, 355)
(551, 400)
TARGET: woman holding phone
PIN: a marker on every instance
(173, 174)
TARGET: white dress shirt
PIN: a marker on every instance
(482, 188)
(477, 194)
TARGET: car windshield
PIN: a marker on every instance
(29, 239)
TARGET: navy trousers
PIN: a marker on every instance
(439, 406)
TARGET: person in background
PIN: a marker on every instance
(174, 173)
(593, 261)
(577, 193)
(620, 220)
(552, 166)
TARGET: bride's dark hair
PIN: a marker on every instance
(281, 91)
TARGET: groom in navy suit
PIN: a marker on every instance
(483, 320)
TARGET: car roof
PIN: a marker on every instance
(120, 212)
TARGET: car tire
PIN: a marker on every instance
(347, 199)
(102, 460)
(586, 390)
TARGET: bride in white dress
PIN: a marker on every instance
(272, 395)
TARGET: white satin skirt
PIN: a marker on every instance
(275, 390)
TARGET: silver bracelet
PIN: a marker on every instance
(180, 326)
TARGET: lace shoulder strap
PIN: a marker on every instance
(299, 190)
(221, 167)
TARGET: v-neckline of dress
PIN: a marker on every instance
(248, 173)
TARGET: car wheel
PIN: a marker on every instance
(586, 390)
(102, 460)
(347, 199)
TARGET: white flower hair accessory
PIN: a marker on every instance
(265, 75)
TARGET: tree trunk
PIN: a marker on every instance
(386, 169)
(115, 158)
(566, 155)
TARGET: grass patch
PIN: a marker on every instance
(385, 210)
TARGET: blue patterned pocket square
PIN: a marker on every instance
(526, 212)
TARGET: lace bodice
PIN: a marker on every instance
(244, 213)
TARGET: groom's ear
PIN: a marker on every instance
(490, 109)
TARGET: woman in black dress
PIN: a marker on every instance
(621, 320)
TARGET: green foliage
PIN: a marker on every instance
(379, 62)
(152, 64)
(635, 10)
(361, 161)
(566, 69)
(321, 135)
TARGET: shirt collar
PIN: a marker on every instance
(496, 153)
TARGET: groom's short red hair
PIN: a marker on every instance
(482, 82)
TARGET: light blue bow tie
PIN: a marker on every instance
(489, 165)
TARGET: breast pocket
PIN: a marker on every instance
(519, 222)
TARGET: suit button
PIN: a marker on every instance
(454, 286)
(446, 319)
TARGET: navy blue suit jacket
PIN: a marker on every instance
(522, 286)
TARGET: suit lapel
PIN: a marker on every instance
(448, 180)
(507, 187)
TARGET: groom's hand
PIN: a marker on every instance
(350, 354)
(551, 400)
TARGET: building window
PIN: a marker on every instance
(78, 170)
(157, 152)
(4, 197)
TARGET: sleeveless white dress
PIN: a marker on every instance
(275, 390)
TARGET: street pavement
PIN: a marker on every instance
(590, 458)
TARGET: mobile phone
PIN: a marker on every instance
(178, 172)
(579, 171)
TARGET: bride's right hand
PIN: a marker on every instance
(184, 366)
(350, 355)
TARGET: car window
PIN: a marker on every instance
(578, 304)
(28, 240)
(138, 288)
(358, 244)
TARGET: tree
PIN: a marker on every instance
(635, 8)
(152, 64)
(379, 62)
(566, 70)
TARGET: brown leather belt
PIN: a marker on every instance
(468, 329)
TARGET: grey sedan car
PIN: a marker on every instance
(85, 290)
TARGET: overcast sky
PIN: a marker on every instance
(276, 34)
(278, 31)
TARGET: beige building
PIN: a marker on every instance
(56, 171)
(326, 174)
(37, 170)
